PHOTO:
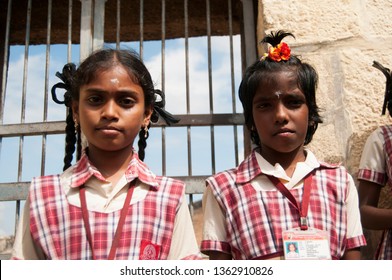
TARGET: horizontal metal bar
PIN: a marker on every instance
(14, 191)
(19, 190)
(23, 129)
(58, 127)
(210, 119)
(194, 184)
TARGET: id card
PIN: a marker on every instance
(311, 244)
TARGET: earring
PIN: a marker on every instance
(145, 132)
(76, 126)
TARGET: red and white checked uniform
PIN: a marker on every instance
(376, 166)
(253, 218)
(57, 229)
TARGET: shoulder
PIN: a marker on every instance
(334, 177)
(44, 187)
(46, 180)
(246, 171)
(170, 184)
(224, 177)
(316, 163)
(163, 180)
(337, 169)
(379, 135)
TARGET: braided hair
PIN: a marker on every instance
(72, 132)
(73, 79)
(279, 59)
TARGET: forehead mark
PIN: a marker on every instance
(278, 94)
(114, 81)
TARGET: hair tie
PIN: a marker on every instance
(158, 109)
(69, 70)
(388, 86)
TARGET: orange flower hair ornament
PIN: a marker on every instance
(281, 52)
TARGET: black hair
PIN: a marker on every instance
(99, 61)
(388, 88)
(294, 244)
(307, 79)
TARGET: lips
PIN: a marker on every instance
(107, 127)
(283, 131)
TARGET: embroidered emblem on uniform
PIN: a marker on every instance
(149, 251)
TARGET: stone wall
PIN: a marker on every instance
(341, 39)
(6, 243)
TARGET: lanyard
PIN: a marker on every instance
(120, 225)
(302, 209)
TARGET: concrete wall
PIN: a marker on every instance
(340, 39)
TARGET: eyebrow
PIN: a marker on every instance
(102, 91)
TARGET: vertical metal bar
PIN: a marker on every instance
(86, 28)
(208, 15)
(163, 44)
(118, 25)
(5, 67)
(69, 44)
(23, 111)
(163, 49)
(47, 59)
(188, 104)
(189, 142)
(249, 39)
(5, 64)
(232, 78)
(26, 59)
(141, 19)
(3, 89)
(69, 40)
(99, 24)
(249, 31)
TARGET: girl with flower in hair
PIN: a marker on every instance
(109, 204)
(375, 172)
(281, 192)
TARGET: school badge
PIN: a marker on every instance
(149, 251)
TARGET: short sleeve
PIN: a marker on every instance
(214, 229)
(184, 244)
(373, 161)
(355, 237)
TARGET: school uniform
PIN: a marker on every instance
(376, 166)
(245, 215)
(157, 224)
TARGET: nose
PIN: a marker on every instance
(281, 115)
(109, 110)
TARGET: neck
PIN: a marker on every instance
(111, 164)
(288, 161)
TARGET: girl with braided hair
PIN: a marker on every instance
(281, 193)
(375, 172)
(109, 205)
